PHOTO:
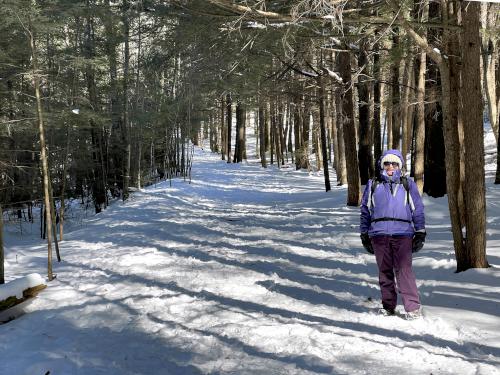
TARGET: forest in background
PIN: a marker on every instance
(97, 97)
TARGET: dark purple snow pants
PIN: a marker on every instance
(394, 256)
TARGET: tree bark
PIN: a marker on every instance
(342, 167)
(277, 134)
(396, 100)
(420, 124)
(272, 117)
(237, 137)
(453, 50)
(223, 129)
(43, 152)
(452, 145)
(322, 124)
(282, 131)
(474, 189)
(262, 136)
(405, 104)
(497, 174)
(365, 155)
(297, 131)
(335, 134)
(126, 120)
(388, 118)
(54, 227)
(113, 166)
(305, 136)
(63, 188)
(2, 256)
(489, 16)
(377, 139)
(240, 132)
(229, 119)
(353, 180)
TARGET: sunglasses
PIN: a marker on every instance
(395, 164)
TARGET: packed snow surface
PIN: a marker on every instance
(246, 271)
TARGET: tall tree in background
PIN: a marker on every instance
(365, 155)
(43, 147)
(126, 139)
(419, 133)
(229, 120)
(353, 180)
(2, 256)
(322, 120)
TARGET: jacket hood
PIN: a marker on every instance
(393, 152)
(398, 173)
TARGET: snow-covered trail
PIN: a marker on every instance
(245, 271)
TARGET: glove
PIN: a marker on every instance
(367, 243)
(418, 241)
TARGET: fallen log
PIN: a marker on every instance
(18, 292)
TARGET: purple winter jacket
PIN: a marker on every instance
(390, 201)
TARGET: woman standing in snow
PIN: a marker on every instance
(393, 227)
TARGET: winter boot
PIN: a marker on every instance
(387, 312)
(415, 314)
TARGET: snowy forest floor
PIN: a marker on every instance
(246, 271)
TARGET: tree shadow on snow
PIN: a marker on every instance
(464, 349)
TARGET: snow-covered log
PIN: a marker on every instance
(20, 290)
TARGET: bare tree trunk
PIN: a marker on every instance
(396, 101)
(342, 167)
(377, 139)
(240, 132)
(297, 121)
(262, 136)
(63, 188)
(223, 129)
(326, 172)
(335, 134)
(2, 256)
(43, 152)
(54, 228)
(291, 124)
(267, 126)
(420, 125)
(497, 174)
(353, 180)
(315, 138)
(385, 93)
(126, 120)
(365, 155)
(237, 137)
(229, 119)
(474, 190)
(305, 137)
(405, 120)
(388, 118)
(282, 132)
(138, 106)
(277, 135)
(272, 117)
(329, 130)
(114, 159)
(245, 121)
(452, 45)
(452, 160)
(452, 147)
(489, 16)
